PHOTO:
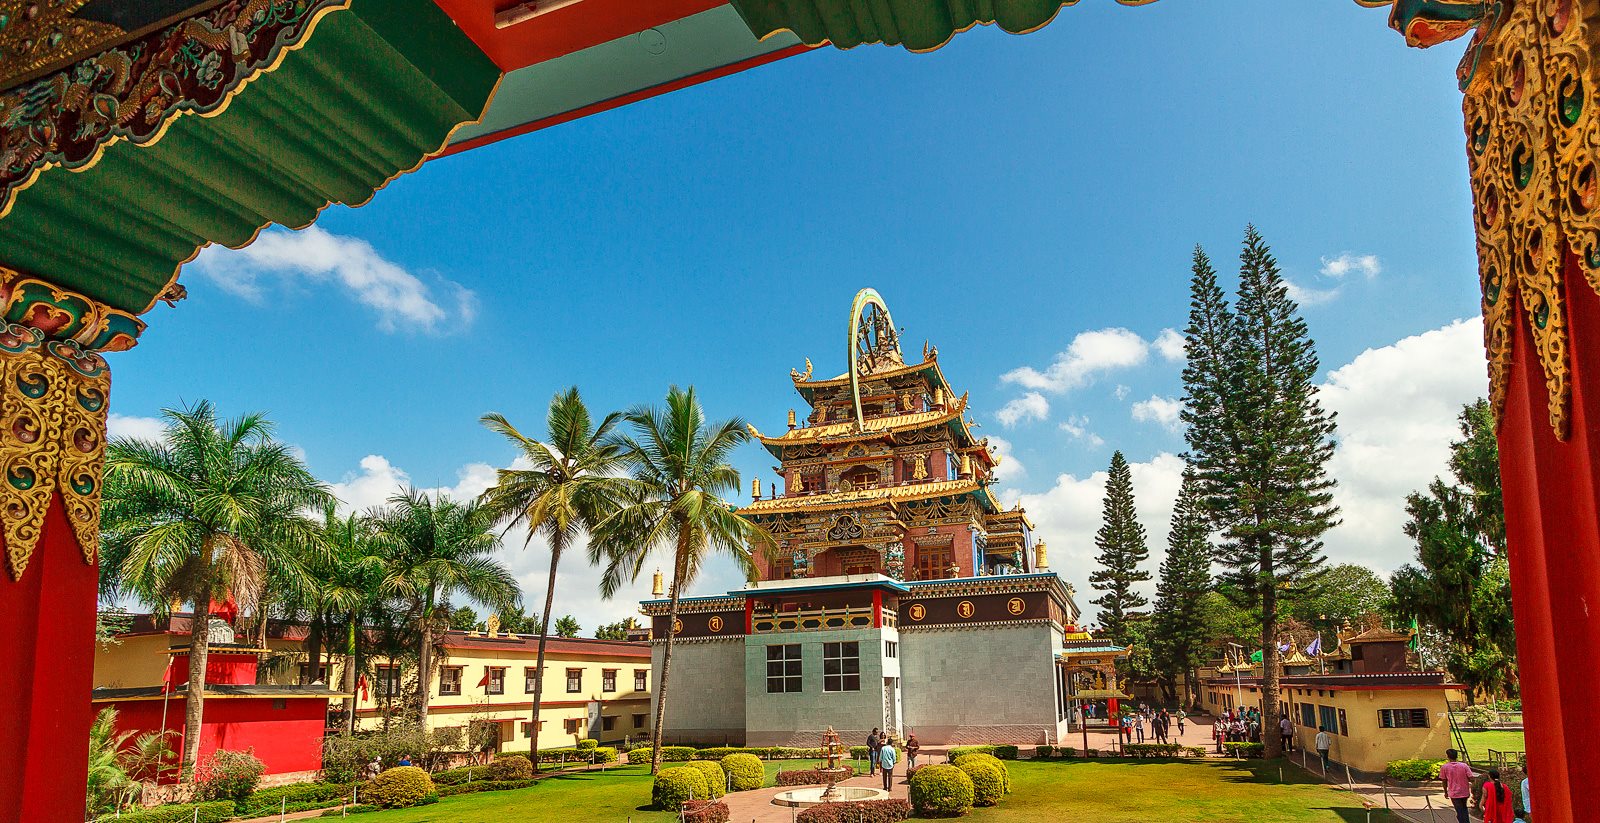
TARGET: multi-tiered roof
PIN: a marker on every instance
(884, 473)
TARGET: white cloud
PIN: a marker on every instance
(1089, 354)
(1078, 429)
(379, 479)
(138, 428)
(1010, 469)
(1121, 392)
(1163, 410)
(1367, 265)
(1396, 407)
(1030, 406)
(1307, 296)
(400, 298)
(1170, 345)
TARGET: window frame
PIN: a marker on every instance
(789, 675)
(574, 681)
(573, 725)
(1387, 719)
(444, 690)
(608, 723)
(641, 680)
(608, 680)
(844, 657)
(638, 721)
(530, 679)
(497, 680)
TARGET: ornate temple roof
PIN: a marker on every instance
(852, 499)
(872, 428)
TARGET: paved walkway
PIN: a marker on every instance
(756, 805)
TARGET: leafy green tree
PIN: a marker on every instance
(570, 484)
(1460, 585)
(618, 630)
(1122, 547)
(675, 501)
(463, 619)
(1348, 591)
(436, 548)
(1180, 620)
(567, 626)
(210, 509)
(346, 585)
(513, 620)
(1261, 456)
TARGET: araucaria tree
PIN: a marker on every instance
(679, 473)
(211, 509)
(1181, 631)
(1259, 443)
(1460, 585)
(1122, 550)
(569, 485)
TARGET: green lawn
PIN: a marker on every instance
(1109, 791)
(1479, 743)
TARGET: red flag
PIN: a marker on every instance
(485, 681)
(361, 683)
(228, 610)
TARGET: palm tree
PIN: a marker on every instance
(679, 467)
(215, 507)
(348, 585)
(569, 485)
(436, 548)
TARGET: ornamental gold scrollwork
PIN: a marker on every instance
(1532, 124)
(53, 402)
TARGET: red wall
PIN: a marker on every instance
(287, 739)
(227, 669)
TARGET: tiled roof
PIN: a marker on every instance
(849, 499)
(529, 643)
(874, 425)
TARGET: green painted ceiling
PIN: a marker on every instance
(374, 90)
(919, 25)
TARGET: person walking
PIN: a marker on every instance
(1324, 744)
(1498, 800)
(1286, 731)
(1181, 717)
(1527, 799)
(887, 757)
(1138, 726)
(1457, 779)
(874, 742)
(1218, 731)
(911, 751)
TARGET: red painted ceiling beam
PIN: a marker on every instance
(566, 28)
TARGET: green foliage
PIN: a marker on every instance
(745, 769)
(716, 778)
(811, 777)
(398, 788)
(1460, 586)
(567, 626)
(941, 791)
(998, 764)
(1160, 750)
(304, 795)
(618, 630)
(463, 619)
(345, 757)
(359, 808)
(1413, 769)
(677, 784)
(515, 767)
(987, 784)
(214, 811)
(956, 751)
(1478, 717)
(1180, 631)
(1121, 542)
(112, 773)
(858, 811)
(587, 744)
(485, 786)
(669, 754)
(1348, 591)
(1243, 749)
(230, 775)
(1044, 751)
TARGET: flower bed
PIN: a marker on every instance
(858, 811)
(705, 811)
(812, 777)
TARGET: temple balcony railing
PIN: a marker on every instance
(819, 620)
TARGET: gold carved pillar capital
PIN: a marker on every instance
(54, 396)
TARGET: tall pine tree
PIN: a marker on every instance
(1180, 612)
(1261, 450)
(1122, 550)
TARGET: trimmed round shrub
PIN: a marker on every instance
(230, 775)
(746, 771)
(998, 764)
(987, 784)
(716, 778)
(515, 767)
(705, 811)
(398, 788)
(941, 791)
(676, 785)
(587, 743)
(1413, 769)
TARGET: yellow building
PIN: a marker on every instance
(592, 688)
(138, 656)
(1374, 705)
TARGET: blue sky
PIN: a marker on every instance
(1005, 194)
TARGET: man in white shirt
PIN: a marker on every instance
(1324, 743)
(887, 758)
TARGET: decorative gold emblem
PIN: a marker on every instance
(677, 625)
(715, 623)
(965, 609)
(917, 612)
(1015, 605)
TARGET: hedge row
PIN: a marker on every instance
(858, 811)
(215, 811)
(579, 753)
(811, 777)
(1244, 749)
(1164, 750)
(484, 786)
(359, 808)
(306, 796)
(1413, 769)
(1002, 752)
(681, 754)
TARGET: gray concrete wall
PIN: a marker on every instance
(992, 684)
(706, 692)
(799, 719)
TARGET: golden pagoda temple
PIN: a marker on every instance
(883, 475)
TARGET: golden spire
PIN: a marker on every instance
(755, 488)
(657, 587)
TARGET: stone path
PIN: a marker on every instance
(755, 806)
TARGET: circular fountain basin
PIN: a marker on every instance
(813, 796)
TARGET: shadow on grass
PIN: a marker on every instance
(1359, 815)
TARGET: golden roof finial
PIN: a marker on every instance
(938, 396)
(755, 488)
(657, 587)
(791, 418)
(966, 465)
(1041, 560)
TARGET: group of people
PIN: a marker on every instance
(1159, 722)
(1238, 726)
(1499, 800)
(882, 756)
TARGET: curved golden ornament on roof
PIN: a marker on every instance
(873, 343)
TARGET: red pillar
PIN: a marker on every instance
(1552, 502)
(47, 622)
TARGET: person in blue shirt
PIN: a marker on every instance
(887, 758)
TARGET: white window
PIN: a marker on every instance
(841, 667)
